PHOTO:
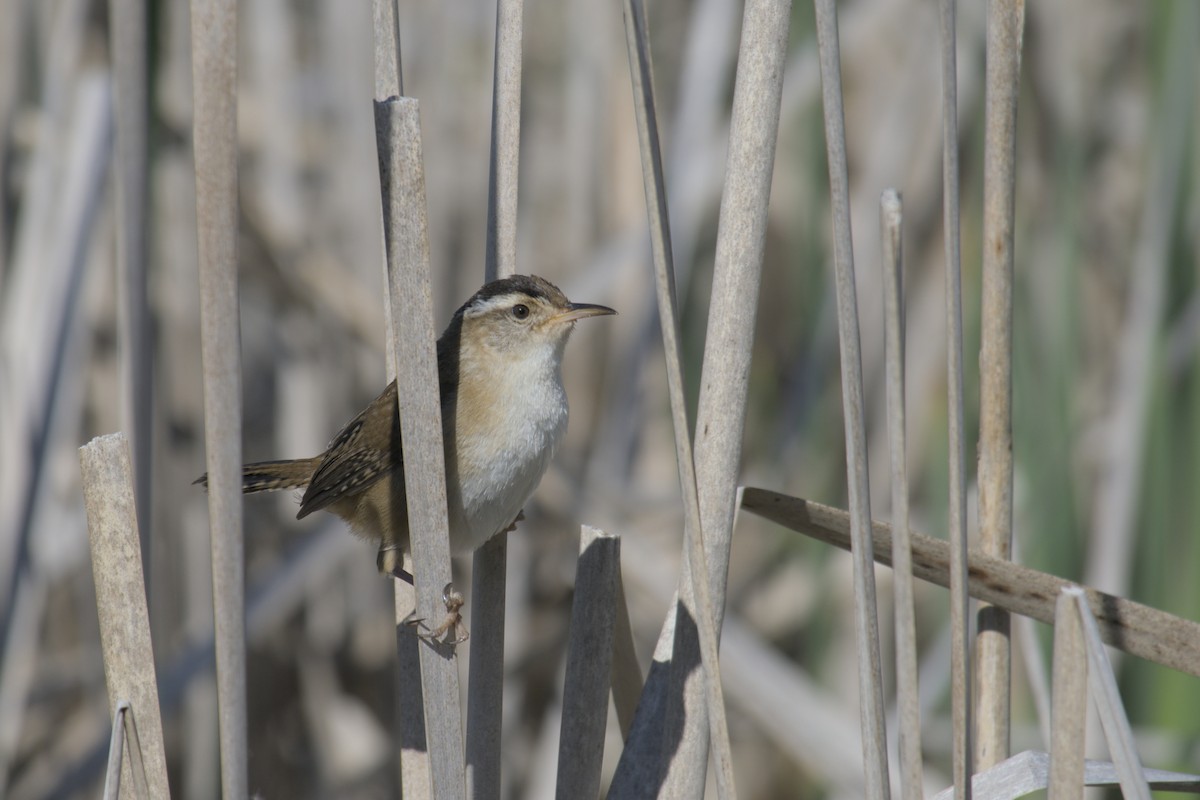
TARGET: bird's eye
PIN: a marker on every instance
(520, 311)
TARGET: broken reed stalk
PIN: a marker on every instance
(993, 653)
(698, 572)
(627, 681)
(820, 733)
(127, 31)
(116, 755)
(214, 76)
(1102, 684)
(589, 665)
(1131, 627)
(960, 601)
(485, 687)
(1069, 715)
(1029, 771)
(402, 181)
(908, 699)
(866, 611)
(121, 604)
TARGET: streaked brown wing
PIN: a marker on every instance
(367, 449)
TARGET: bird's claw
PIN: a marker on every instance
(454, 602)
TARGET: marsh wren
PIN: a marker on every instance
(504, 411)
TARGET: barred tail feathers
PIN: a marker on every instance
(272, 476)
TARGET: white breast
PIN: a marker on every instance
(517, 430)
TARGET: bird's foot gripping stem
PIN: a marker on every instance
(451, 624)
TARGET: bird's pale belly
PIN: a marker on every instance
(496, 485)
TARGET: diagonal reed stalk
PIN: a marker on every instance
(642, 76)
(402, 182)
(1102, 685)
(708, 479)
(1134, 628)
(866, 611)
(214, 76)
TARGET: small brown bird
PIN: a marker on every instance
(504, 412)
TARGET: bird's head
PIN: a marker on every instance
(522, 316)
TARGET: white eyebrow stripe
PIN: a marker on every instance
(500, 301)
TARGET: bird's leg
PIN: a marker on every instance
(453, 621)
(390, 562)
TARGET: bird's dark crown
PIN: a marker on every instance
(530, 285)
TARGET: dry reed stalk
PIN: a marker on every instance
(819, 732)
(960, 601)
(127, 32)
(214, 78)
(1068, 718)
(627, 681)
(1029, 772)
(501, 255)
(688, 766)
(1132, 627)
(995, 469)
(414, 766)
(1102, 684)
(866, 611)
(402, 182)
(907, 695)
(589, 665)
(116, 755)
(121, 604)
(274, 600)
(389, 75)
(485, 688)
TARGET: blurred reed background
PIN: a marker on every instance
(1106, 399)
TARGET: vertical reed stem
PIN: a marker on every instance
(908, 700)
(402, 180)
(214, 77)
(485, 689)
(589, 665)
(866, 612)
(1069, 715)
(960, 646)
(993, 648)
(410, 698)
(127, 27)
